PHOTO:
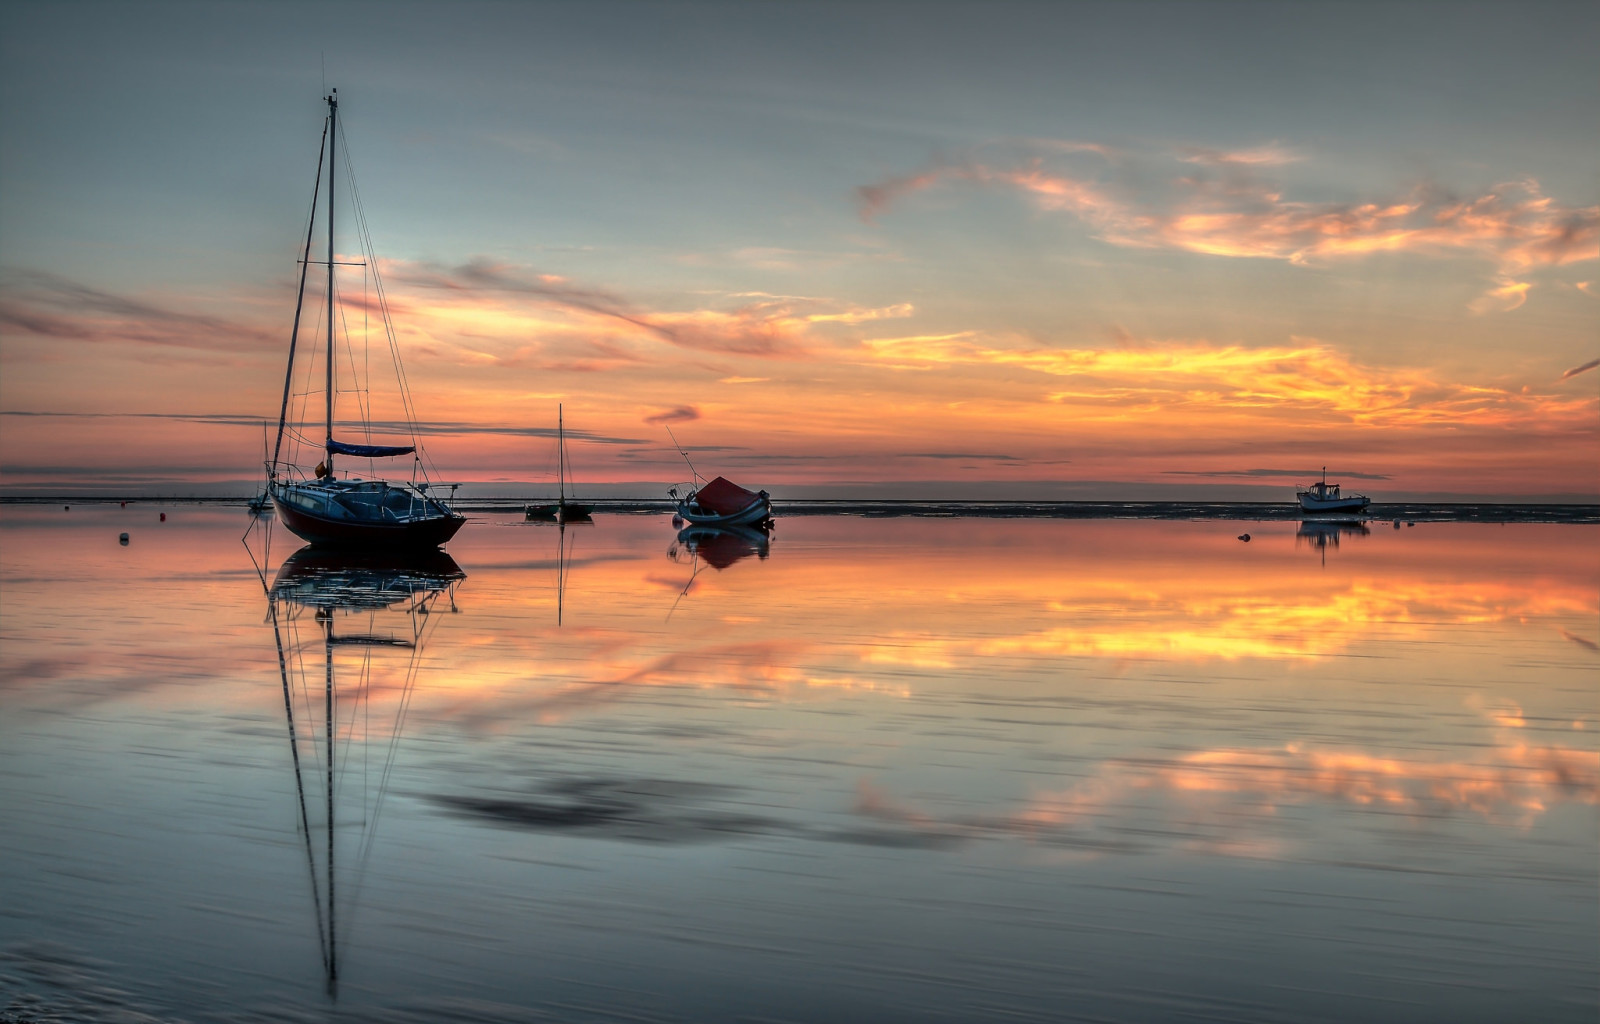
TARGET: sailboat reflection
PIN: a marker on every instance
(1322, 534)
(391, 597)
(563, 560)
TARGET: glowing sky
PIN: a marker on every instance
(1191, 250)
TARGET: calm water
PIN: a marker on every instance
(917, 770)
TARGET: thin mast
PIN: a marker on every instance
(299, 302)
(333, 145)
(561, 455)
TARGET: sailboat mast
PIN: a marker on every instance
(561, 455)
(333, 146)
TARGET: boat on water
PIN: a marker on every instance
(1325, 497)
(563, 511)
(724, 503)
(321, 506)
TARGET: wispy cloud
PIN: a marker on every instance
(51, 306)
(441, 428)
(1217, 203)
(1584, 368)
(680, 414)
(495, 297)
(1296, 473)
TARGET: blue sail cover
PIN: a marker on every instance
(368, 451)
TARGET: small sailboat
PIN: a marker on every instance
(1325, 497)
(322, 507)
(563, 511)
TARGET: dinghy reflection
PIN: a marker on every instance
(370, 614)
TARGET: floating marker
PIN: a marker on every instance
(123, 540)
(163, 517)
(1245, 537)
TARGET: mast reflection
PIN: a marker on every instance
(393, 598)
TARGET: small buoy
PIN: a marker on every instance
(124, 504)
(1397, 524)
(1411, 524)
(66, 508)
(1245, 537)
(123, 540)
(163, 517)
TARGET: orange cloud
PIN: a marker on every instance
(1307, 377)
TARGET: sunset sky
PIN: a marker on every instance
(969, 250)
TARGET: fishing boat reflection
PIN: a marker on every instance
(720, 546)
(716, 546)
(1322, 534)
(364, 612)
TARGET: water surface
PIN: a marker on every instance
(877, 769)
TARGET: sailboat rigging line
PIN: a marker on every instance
(299, 783)
(408, 689)
(402, 379)
(294, 336)
(675, 444)
(363, 394)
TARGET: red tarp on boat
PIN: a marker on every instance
(724, 498)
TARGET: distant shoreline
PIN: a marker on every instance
(1459, 512)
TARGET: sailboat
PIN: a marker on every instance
(315, 592)
(563, 511)
(349, 511)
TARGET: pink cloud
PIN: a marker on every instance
(1225, 209)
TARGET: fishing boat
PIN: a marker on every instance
(1325, 497)
(720, 502)
(321, 506)
(724, 503)
(563, 511)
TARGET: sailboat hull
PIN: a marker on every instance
(324, 532)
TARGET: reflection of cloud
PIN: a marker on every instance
(1580, 641)
(1211, 799)
(1202, 625)
(1222, 208)
(638, 810)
